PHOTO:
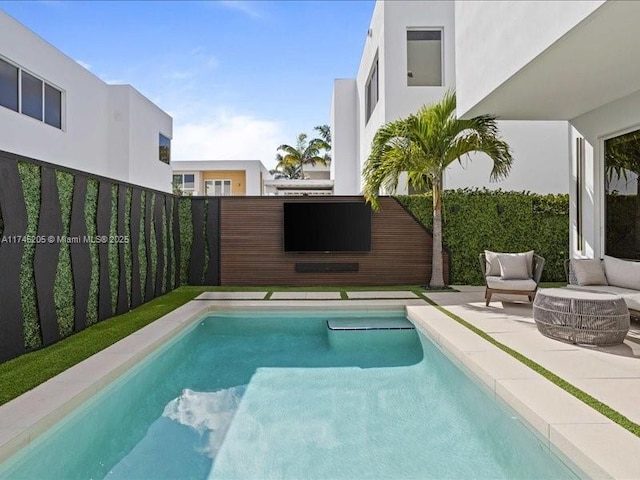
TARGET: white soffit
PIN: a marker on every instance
(592, 65)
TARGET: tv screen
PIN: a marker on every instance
(327, 227)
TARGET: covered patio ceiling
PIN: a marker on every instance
(595, 63)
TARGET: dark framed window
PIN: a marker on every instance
(424, 58)
(165, 149)
(371, 90)
(622, 200)
(8, 86)
(52, 106)
(31, 96)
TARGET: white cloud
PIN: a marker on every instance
(84, 64)
(227, 137)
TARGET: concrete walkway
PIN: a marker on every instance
(609, 374)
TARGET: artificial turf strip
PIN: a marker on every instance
(584, 397)
(21, 374)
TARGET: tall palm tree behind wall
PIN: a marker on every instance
(424, 145)
(304, 153)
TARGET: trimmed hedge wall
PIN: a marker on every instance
(30, 177)
(76, 257)
(186, 237)
(475, 220)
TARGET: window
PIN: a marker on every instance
(8, 86)
(217, 188)
(52, 106)
(31, 96)
(184, 183)
(35, 97)
(165, 149)
(424, 58)
(371, 90)
(622, 183)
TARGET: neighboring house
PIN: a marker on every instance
(53, 109)
(409, 60)
(219, 177)
(317, 181)
(299, 187)
(581, 67)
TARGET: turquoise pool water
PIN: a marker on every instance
(282, 396)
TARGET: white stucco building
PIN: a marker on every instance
(582, 68)
(409, 60)
(53, 109)
(220, 177)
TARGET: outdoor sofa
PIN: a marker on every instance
(609, 275)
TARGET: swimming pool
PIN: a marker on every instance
(291, 395)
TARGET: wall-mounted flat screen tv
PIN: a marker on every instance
(327, 227)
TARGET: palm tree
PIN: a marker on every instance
(424, 145)
(304, 153)
(325, 134)
(285, 170)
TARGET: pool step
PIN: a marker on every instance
(369, 324)
(369, 333)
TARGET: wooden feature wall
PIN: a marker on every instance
(251, 247)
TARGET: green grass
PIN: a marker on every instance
(581, 395)
(21, 374)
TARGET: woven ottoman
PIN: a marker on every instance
(581, 317)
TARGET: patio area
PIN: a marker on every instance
(610, 374)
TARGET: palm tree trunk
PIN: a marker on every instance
(437, 275)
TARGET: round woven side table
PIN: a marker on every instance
(583, 317)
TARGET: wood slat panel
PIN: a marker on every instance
(251, 247)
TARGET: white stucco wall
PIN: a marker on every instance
(252, 169)
(541, 160)
(495, 39)
(106, 129)
(400, 99)
(616, 118)
(541, 149)
(345, 166)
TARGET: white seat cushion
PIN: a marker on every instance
(493, 265)
(622, 273)
(498, 283)
(631, 297)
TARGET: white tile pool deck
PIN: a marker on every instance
(598, 446)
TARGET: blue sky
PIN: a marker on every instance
(238, 77)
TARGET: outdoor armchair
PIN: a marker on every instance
(511, 277)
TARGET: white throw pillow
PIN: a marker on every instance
(589, 272)
(493, 265)
(513, 267)
(622, 273)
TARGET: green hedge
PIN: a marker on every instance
(142, 249)
(127, 245)
(153, 268)
(114, 264)
(30, 176)
(186, 237)
(475, 220)
(90, 213)
(63, 291)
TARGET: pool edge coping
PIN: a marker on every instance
(574, 439)
(153, 336)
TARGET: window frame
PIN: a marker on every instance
(44, 84)
(182, 183)
(442, 57)
(370, 107)
(160, 146)
(213, 181)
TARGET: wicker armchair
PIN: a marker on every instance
(526, 287)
